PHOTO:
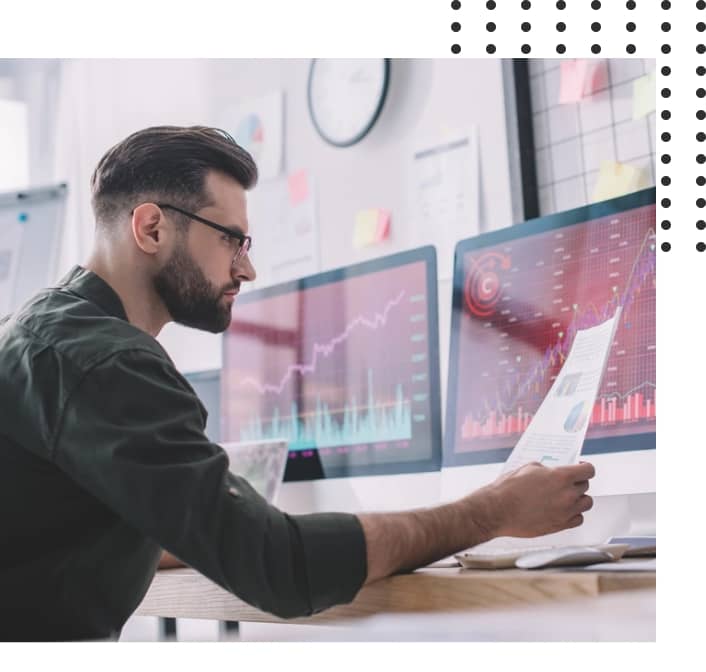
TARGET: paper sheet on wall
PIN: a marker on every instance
(14, 145)
(258, 125)
(284, 225)
(444, 196)
(10, 243)
(555, 434)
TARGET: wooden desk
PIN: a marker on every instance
(184, 593)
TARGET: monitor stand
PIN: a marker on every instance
(398, 492)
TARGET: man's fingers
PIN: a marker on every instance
(584, 503)
(581, 487)
(578, 472)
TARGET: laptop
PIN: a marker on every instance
(261, 463)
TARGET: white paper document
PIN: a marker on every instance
(555, 434)
(444, 199)
(283, 215)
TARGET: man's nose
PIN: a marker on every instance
(244, 270)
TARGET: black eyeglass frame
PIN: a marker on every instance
(245, 241)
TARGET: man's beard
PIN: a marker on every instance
(189, 297)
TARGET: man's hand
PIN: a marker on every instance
(535, 500)
(529, 502)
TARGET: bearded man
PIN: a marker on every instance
(104, 464)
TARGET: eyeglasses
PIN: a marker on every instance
(244, 242)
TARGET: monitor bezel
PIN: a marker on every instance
(426, 254)
(596, 446)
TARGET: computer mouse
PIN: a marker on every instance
(561, 557)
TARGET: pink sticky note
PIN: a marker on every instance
(383, 226)
(573, 80)
(596, 77)
(298, 187)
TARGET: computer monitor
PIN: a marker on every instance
(519, 295)
(207, 385)
(344, 365)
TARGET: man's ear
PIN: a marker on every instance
(148, 227)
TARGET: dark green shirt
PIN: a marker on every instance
(104, 462)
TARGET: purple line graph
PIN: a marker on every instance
(324, 350)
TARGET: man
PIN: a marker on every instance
(103, 457)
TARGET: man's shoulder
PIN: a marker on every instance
(77, 329)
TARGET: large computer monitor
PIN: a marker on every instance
(519, 296)
(343, 364)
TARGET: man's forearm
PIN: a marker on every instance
(404, 541)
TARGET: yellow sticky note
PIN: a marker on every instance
(616, 179)
(366, 222)
(372, 226)
(643, 96)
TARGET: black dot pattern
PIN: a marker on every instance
(599, 24)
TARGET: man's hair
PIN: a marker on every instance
(167, 163)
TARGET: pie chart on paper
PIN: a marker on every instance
(250, 135)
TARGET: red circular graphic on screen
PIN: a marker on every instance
(482, 290)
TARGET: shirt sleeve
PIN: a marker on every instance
(132, 435)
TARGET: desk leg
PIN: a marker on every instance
(167, 629)
(229, 630)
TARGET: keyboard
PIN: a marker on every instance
(505, 558)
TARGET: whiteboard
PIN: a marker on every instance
(572, 139)
(31, 222)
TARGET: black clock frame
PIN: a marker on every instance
(368, 127)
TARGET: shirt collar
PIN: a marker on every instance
(93, 288)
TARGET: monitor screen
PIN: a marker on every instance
(343, 365)
(520, 294)
(207, 385)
